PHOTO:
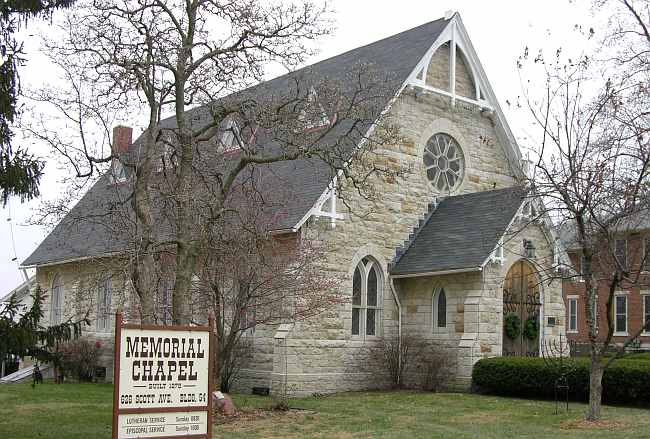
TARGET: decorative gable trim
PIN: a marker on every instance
(456, 34)
(456, 30)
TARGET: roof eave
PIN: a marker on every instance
(437, 273)
(66, 261)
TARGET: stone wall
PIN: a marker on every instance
(80, 293)
(321, 355)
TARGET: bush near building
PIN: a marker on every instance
(626, 381)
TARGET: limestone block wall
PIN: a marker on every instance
(80, 293)
(321, 355)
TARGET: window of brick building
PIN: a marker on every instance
(645, 297)
(620, 317)
(645, 256)
(621, 252)
(573, 314)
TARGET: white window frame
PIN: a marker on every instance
(323, 118)
(163, 302)
(617, 333)
(56, 300)
(434, 310)
(574, 300)
(581, 270)
(248, 320)
(364, 269)
(625, 255)
(104, 303)
(645, 294)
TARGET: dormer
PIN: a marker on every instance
(312, 114)
(229, 136)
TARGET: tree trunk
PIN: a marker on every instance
(595, 388)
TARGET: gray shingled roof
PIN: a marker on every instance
(392, 59)
(461, 233)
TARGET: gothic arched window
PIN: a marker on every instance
(439, 309)
(104, 297)
(366, 298)
(57, 300)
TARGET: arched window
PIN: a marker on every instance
(57, 300)
(104, 296)
(366, 298)
(439, 309)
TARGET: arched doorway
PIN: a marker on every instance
(521, 311)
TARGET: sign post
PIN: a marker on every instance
(163, 381)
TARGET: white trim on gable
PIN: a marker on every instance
(456, 30)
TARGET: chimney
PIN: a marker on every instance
(122, 137)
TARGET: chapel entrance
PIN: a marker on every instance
(521, 311)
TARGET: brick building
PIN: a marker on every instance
(631, 300)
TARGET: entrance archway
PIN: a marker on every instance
(521, 311)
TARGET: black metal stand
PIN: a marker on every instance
(561, 384)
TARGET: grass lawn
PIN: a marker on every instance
(84, 411)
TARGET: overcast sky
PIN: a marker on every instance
(499, 31)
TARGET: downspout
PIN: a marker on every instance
(399, 321)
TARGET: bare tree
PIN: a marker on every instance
(186, 58)
(592, 166)
(251, 280)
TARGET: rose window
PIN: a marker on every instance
(444, 162)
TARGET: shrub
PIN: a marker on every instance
(625, 381)
(434, 364)
(78, 358)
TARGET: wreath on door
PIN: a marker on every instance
(531, 328)
(512, 325)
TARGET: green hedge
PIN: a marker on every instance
(625, 381)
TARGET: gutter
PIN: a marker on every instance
(66, 261)
(437, 273)
(399, 320)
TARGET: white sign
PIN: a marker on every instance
(163, 368)
(162, 424)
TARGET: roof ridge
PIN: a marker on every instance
(309, 66)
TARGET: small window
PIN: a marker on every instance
(117, 172)
(620, 323)
(248, 320)
(163, 302)
(439, 309)
(583, 266)
(168, 159)
(57, 299)
(646, 312)
(230, 138)
(573, 314)
(366, 298)
(621, 252)
(104, 293)
(497, 254)
(645, 261)
(312, 114)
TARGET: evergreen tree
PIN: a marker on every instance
(20, 171)
(21, 335)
